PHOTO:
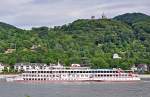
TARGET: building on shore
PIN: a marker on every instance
(142, 68)
(1, 67)
(116, 56)
(8, 51)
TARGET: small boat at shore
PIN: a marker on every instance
(75, 73)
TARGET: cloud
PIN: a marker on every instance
(29, 13)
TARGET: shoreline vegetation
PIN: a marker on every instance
(84, 41)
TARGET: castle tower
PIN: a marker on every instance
(92, 17)
(104, 16)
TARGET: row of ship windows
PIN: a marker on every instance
(71, 71)
(35, 79)
(82, 75)
(55, 75)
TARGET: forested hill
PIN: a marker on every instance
(85, 41)
(6, 26)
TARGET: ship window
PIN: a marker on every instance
(75, 71)
(86, 71)
(78, 72)
(93, 72)
(65, 71)
(104, 71)
(62, 71)
(44, 71)
(107, 71)
(56, 71)
(47, 71)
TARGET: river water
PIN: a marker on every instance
(101, 89)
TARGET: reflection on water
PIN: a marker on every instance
(101, 89)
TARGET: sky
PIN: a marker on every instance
(26, 14)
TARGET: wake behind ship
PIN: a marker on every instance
(75, 73)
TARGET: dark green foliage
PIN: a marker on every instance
(6, 26)
(84, 41)
(131, 18)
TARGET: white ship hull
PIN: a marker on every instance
(75, 74)
(104, 79)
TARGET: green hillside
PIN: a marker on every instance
(85, 41)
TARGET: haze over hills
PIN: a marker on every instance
(85, 41)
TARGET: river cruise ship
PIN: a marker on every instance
(75, 73)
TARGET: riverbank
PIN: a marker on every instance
(3, 76)
(144, 75)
